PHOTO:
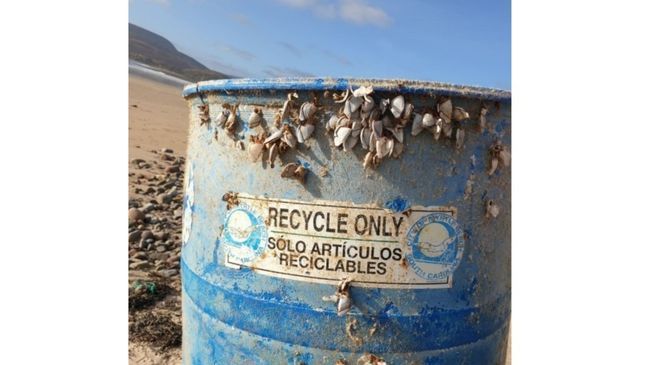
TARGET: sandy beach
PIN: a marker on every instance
(157, 117)
(157, 146)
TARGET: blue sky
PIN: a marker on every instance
(457, 41)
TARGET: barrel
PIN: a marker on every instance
(346, 221)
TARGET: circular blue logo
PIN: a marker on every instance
(245, 233)
(437, 244)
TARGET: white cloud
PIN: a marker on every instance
(353, 11)
(359, 12)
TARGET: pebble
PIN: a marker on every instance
(134, 236)
(166, 150)
(148, 235)
(172, 169)
(135, 215)
(140, 255)
(139, 265)
(149, 207)
(160, 248)
(162, 256)
(168, 272)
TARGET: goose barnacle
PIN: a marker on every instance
(255, 118)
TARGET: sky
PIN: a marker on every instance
(465, 42)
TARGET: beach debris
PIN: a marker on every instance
(341, 297)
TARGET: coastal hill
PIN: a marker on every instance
(156, 51)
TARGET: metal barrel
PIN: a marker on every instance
(346, 221)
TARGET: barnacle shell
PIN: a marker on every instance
(343, 121)
(362, 91)
(222, 117)
(407, 113)
(387, 121)
(274, 136)
(341, 134)
(342, 98)
(397, 106)
(445, 109)
(492, 209)
(368, 104)
(289, 169)
(255, 118)
(428, 120)
(505, 157)
(382, 147)
(368, 160)
(493, 166)
(437, 128)
(230, 125)
(272, 154)
(306, 131)
(344, 304)
(383, 105)
(398, 149)
(288, 137)
(482, 118)
(285, 109)
(468, 190)
(255, 151)
(297, 132)
(460, 138)
(356, 128)
(377, 127)
(332, 122)
(352, 104)
(350, 142)
(459, 114)
(372, 141)
(417, 124)
(397, 132)
(306, 111)
(365, 136)
(447, 129)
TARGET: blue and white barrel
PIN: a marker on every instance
(346, 221)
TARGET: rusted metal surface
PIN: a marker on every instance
(242, 316)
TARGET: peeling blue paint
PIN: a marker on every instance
(398, 204)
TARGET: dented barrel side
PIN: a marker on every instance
(303, 246)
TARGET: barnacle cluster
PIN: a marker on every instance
(375, 124)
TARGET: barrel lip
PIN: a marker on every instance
(341, 84)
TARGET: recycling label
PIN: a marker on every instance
(327, 241)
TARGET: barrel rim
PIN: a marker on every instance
(341, 84)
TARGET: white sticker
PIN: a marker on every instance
(325, 242)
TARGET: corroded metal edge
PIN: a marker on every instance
(340, 84)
